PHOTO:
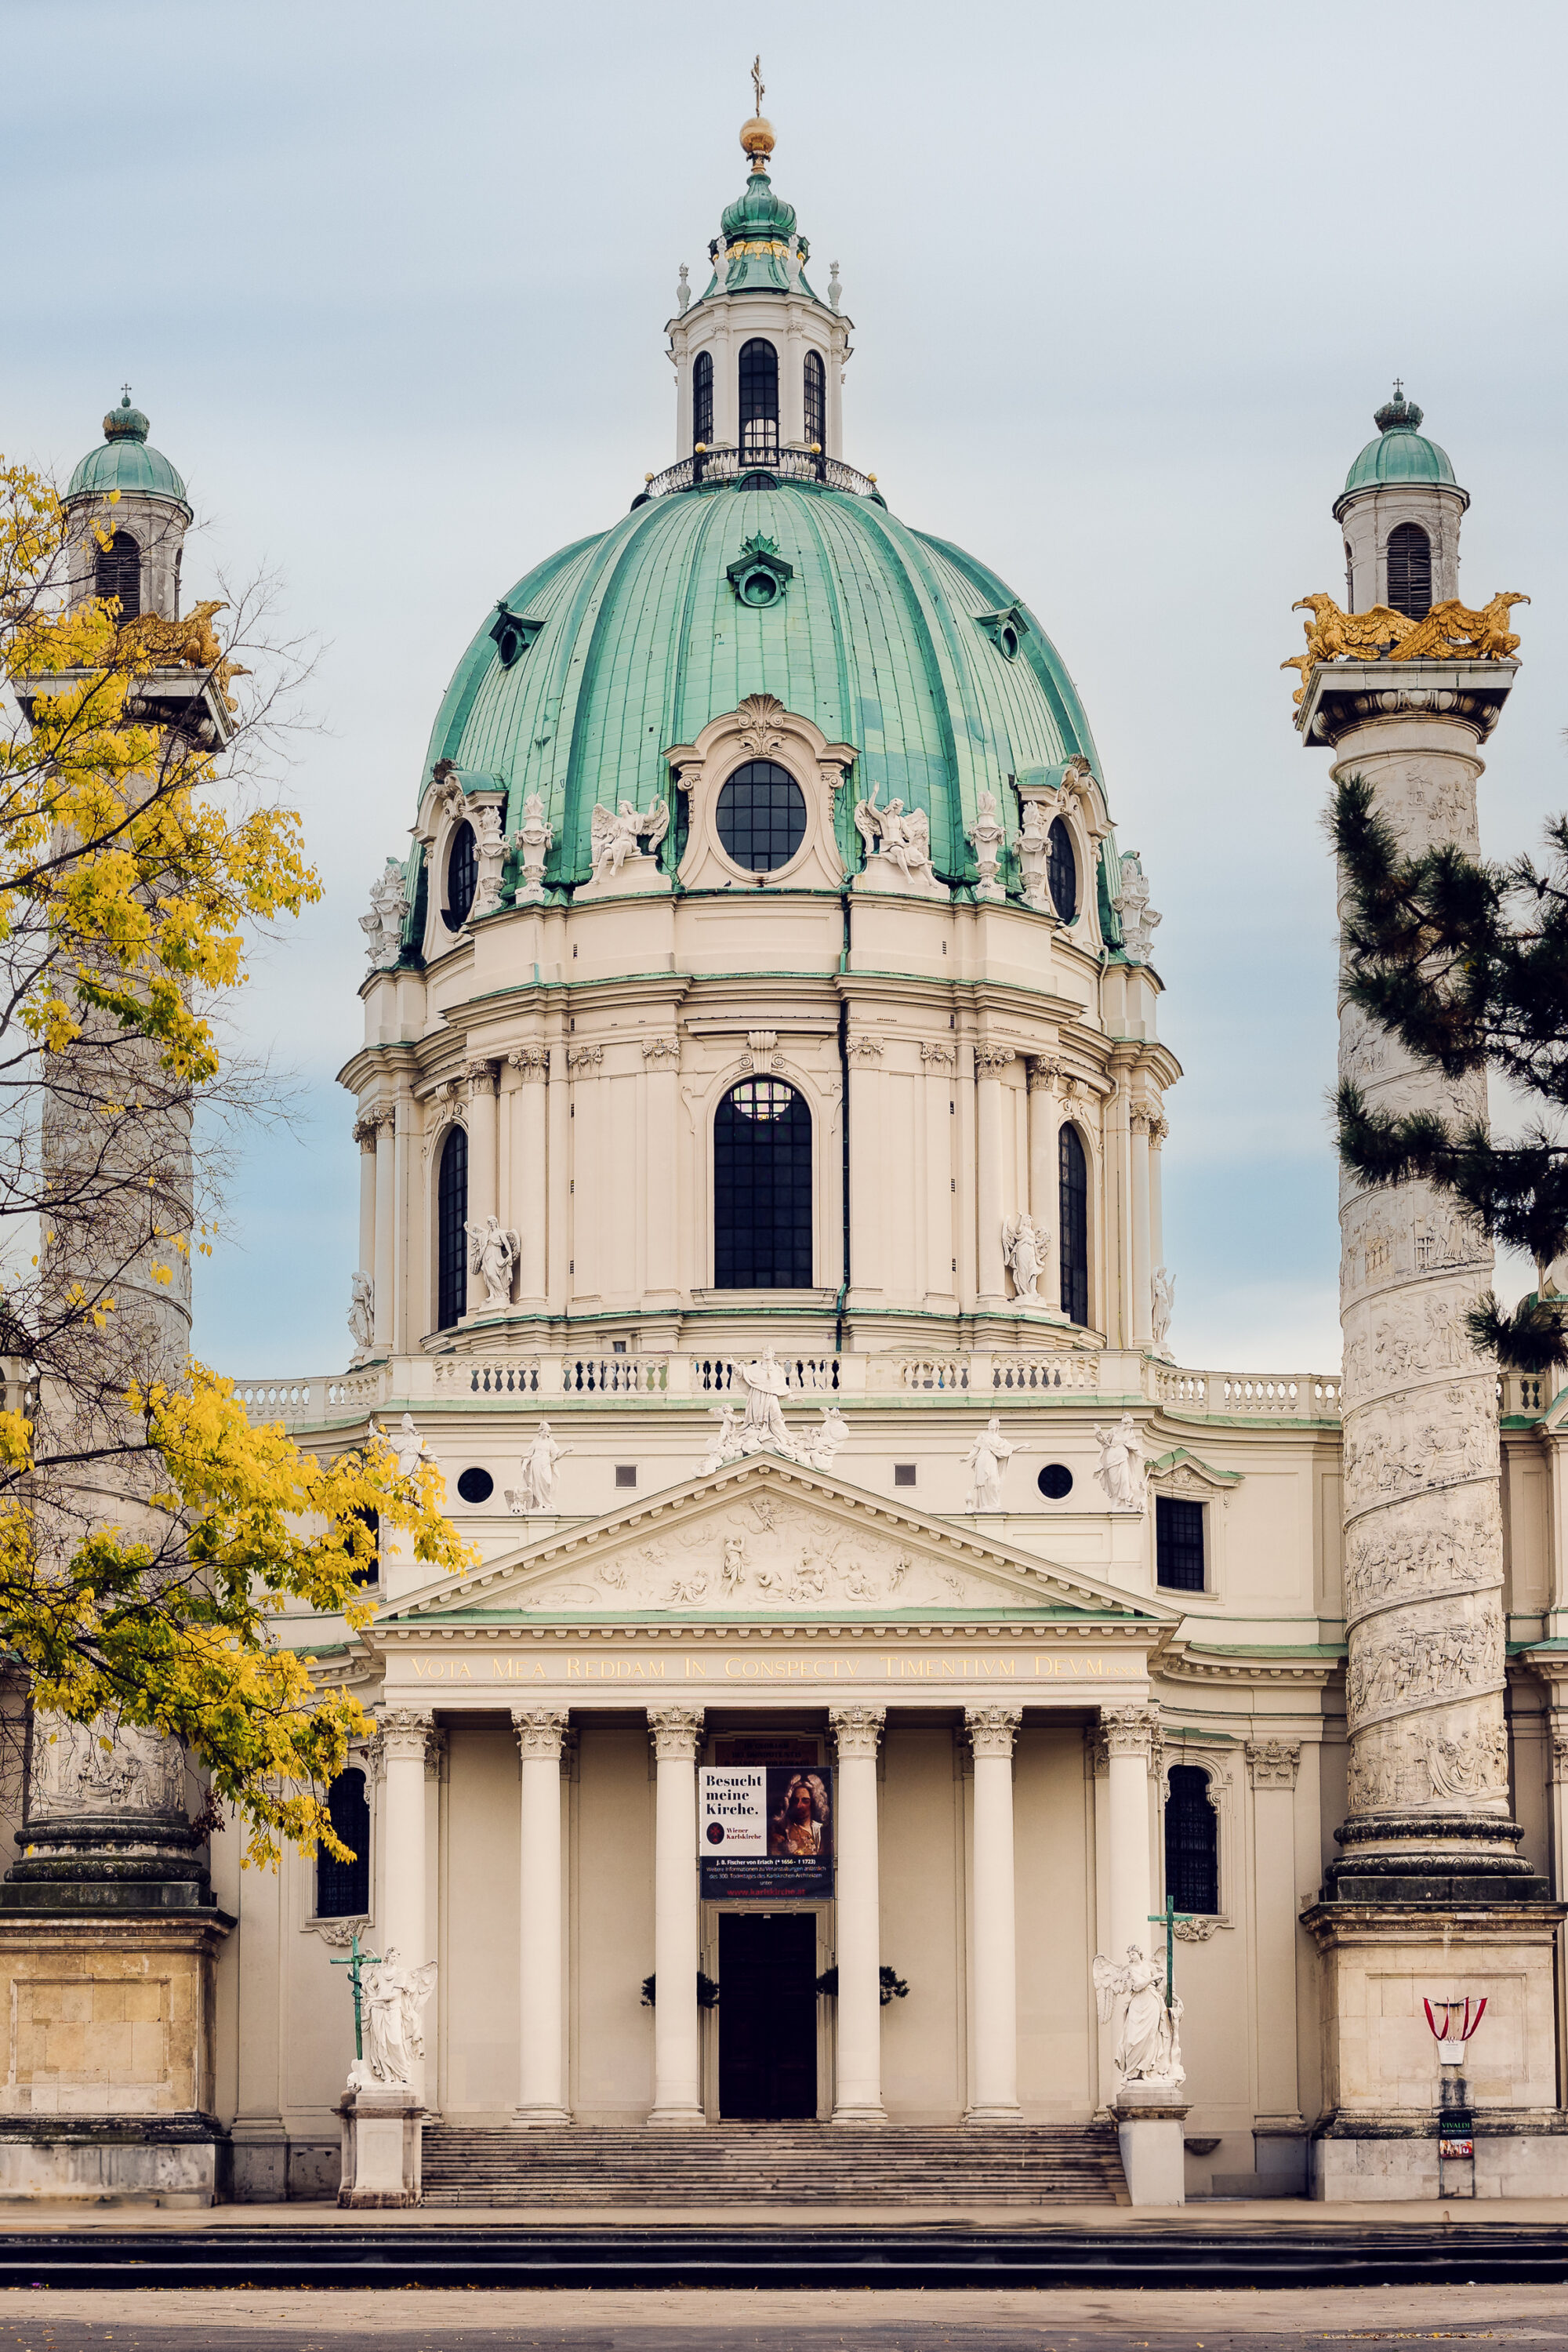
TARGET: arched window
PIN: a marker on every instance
(117, 571)
(760, 816)
(702, 399)
(761, 1188)
(451, 1231)
(1073, 1185)
(462, 878)
(1061, 870)
(1410, 571)
(1192, 1842)
(759, 399)
(342, 1888)
(815, 401)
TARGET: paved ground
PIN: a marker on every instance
(1221, 2214)
(1222, 2321)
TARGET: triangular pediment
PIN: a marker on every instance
(767, 1537)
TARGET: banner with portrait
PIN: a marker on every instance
(766, 1829)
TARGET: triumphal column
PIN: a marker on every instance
(1429, 1894)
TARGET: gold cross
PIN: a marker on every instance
(757, 79)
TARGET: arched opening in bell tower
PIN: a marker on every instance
(1410, 571)
(702, 400)
(117, 571)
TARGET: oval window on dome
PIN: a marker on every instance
(761, 816)
(462, 878)
(1061, 871)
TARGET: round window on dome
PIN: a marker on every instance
(1009, 645)
(1061, 871)
(1055, 1482)
(758, 588)
(761, 816)
(476, 1485)
(462, 878)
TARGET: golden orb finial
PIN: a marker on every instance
(757, 138)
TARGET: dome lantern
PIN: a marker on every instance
(129, 490)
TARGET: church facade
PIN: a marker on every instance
(760, 1117)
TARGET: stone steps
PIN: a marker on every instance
(795, 2164)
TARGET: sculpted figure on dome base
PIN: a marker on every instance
(614, 834)
(900, 835)
(1163, 1306)
(537, 1491)
(532, 842)
(362, 1313)
(1139, 920)
(493, 1253)
(408, 1446)
(383, 927)
(985, 1461)
(1024, 1248)
(489, 851)
(1120, 1471)
(987, 835)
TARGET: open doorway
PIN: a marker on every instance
(767, 2015)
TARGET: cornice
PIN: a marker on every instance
(1181, 1660)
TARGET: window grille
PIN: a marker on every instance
(342, 1888)
(1061, 870)
(761, 1188)
(462, 878)
(759, 399)
(1192, 1842)
(117, 571)
(815, 401)
(1410, 571)
(702, 399)
(1073, 1174)
(760, 816)
(451, 1230)
(1178, 1544)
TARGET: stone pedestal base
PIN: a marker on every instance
(383, 2135)
(175, 2161)
(1154, 2148)
(639, 877)
(1393, 2159)
(881, 878)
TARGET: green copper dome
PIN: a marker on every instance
(884, 637)
(1400, 454)
(125, 462)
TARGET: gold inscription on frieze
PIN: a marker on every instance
(753, 1667)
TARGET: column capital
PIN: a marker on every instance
(1273, 1763)
(1131, 1731)
(541, 1730)
(406, 1733)
(990, 1061)
(993, 1729)
(531, 1064)
(481, 1078)
(675, 1732)
(1043, 1074)
(857, 1729)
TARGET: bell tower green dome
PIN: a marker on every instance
(1399, 454)
(885, 638)
(127, 463)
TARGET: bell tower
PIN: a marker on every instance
(128, 492)
(1400, 511)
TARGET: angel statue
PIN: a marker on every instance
(614, 834)
(726, 1443)
(393, 1998)
(537, 1491)
(1149, 2046)
(904, 834)
(821, 1445)
(493, 1251)
(361, 1312)
(1024, 1247)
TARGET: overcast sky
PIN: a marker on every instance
(1127, 283)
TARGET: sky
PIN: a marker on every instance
(1127, 281)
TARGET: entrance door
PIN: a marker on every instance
(767, 2014)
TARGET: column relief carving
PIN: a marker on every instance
(1559, 1756)
(480, 1078)
(404, 1732)
(937, 1056)
(990, 1061)
(675, 1732)
(1131, 1731)
(993, 1729)
(531, 1064)
(864, 1049)
(585, 1057)
(655, 1050)
(1273, 1763)
(857, 1729)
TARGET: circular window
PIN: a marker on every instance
(462, 878)
(509, 645)
(758, 588)
(476, 1485)
(1061, 871)
(1055, 1481)
(761, 816)
(1010, 645)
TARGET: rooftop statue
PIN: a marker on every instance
(190, 644)
(1450, 632)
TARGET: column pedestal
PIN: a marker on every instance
(383, 2132)
(857, 2075)
(1153, 2151)
(677, 2020)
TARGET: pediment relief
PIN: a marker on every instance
(768, 1538)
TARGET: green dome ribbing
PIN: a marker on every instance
(126, 463)
(1400, 454)
(886, 638)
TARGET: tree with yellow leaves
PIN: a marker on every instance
(149, 1535)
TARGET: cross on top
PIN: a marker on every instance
(1399, 387)
(757, 82)
(125, 388)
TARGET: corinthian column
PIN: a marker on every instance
(677, 2044)
(1423, 1530)
(992, 1966)
(539, 1733)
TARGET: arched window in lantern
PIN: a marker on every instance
(1410, 571)
(759, 399)
(117, 571)
(815, 401)
(702, 400)
(1072, 1165)
(451, 1230)
(761, 1188)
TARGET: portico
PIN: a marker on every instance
(987, 1749)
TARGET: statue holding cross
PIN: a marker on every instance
(1148, 2047)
